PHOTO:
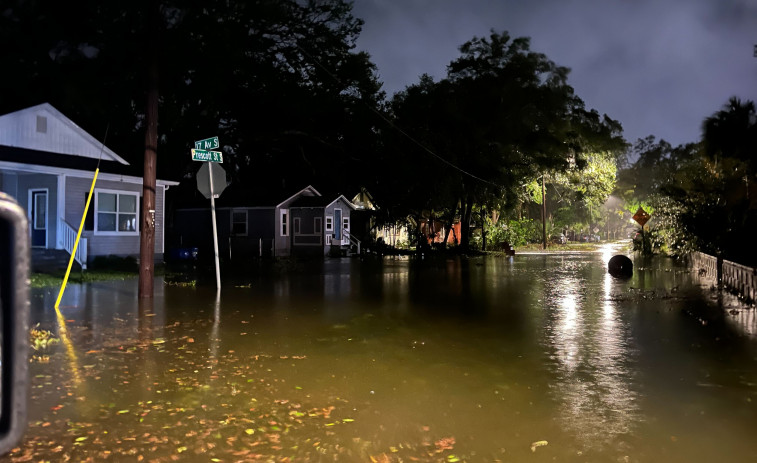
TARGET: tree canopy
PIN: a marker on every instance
(703, 195)
(280, 83)
(503, 116)
(277, 80)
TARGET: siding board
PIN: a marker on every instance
(77, 189)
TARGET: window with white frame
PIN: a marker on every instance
(346, 223)
(329, 223)
(239, 223)
(284, 222)
(116, 212)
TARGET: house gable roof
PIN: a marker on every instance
(307, 191)
(310, 201)
(44, 128)
(349, 203)
(363, 200)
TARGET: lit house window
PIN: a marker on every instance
(239, 223)
(116, 212)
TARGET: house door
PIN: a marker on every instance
(337, 224)
(39, 218)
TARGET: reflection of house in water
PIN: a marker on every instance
(106, 314)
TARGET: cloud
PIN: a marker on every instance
(658, 67)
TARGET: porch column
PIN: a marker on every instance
(61, 211)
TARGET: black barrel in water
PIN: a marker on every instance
(620, 266)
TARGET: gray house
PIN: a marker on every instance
(338, 224)
(47, 163)
(305, 223)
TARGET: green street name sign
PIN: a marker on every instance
(207, 144)
(209, 156)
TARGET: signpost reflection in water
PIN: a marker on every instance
(479, 360)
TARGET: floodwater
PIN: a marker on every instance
(532, 358)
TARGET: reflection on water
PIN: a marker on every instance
(745, 320)
(402, 360)
(592, 347)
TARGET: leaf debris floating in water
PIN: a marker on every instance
(539, 443)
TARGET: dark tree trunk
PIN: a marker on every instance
(450, 221)
(543, 213)
(483, 230)
(421, 241)
(467, 212)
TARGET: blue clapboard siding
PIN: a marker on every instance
(103, 245)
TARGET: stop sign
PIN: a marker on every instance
(219, 179)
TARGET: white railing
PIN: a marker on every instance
(354, 241)
(68, 237)
(741, 278)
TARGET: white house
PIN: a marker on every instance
(47, 163)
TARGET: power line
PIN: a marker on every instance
(394, 126)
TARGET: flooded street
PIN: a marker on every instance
(541, 357)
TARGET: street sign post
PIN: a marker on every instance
(207, 144)
(205, 155)
(641, 217)
(207, 179)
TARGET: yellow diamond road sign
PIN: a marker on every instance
(641, 216)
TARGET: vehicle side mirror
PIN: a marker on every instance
(14, 321)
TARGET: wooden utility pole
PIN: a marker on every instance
(147, 236)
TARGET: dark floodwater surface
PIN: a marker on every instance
(533, 358)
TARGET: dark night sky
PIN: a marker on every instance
(658, 66)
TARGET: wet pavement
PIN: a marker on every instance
(541, 357)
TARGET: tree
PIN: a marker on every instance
(580, 193)
(732, 133)
(703, 195)
(277, 80)
(503, 116)
(729, 138)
